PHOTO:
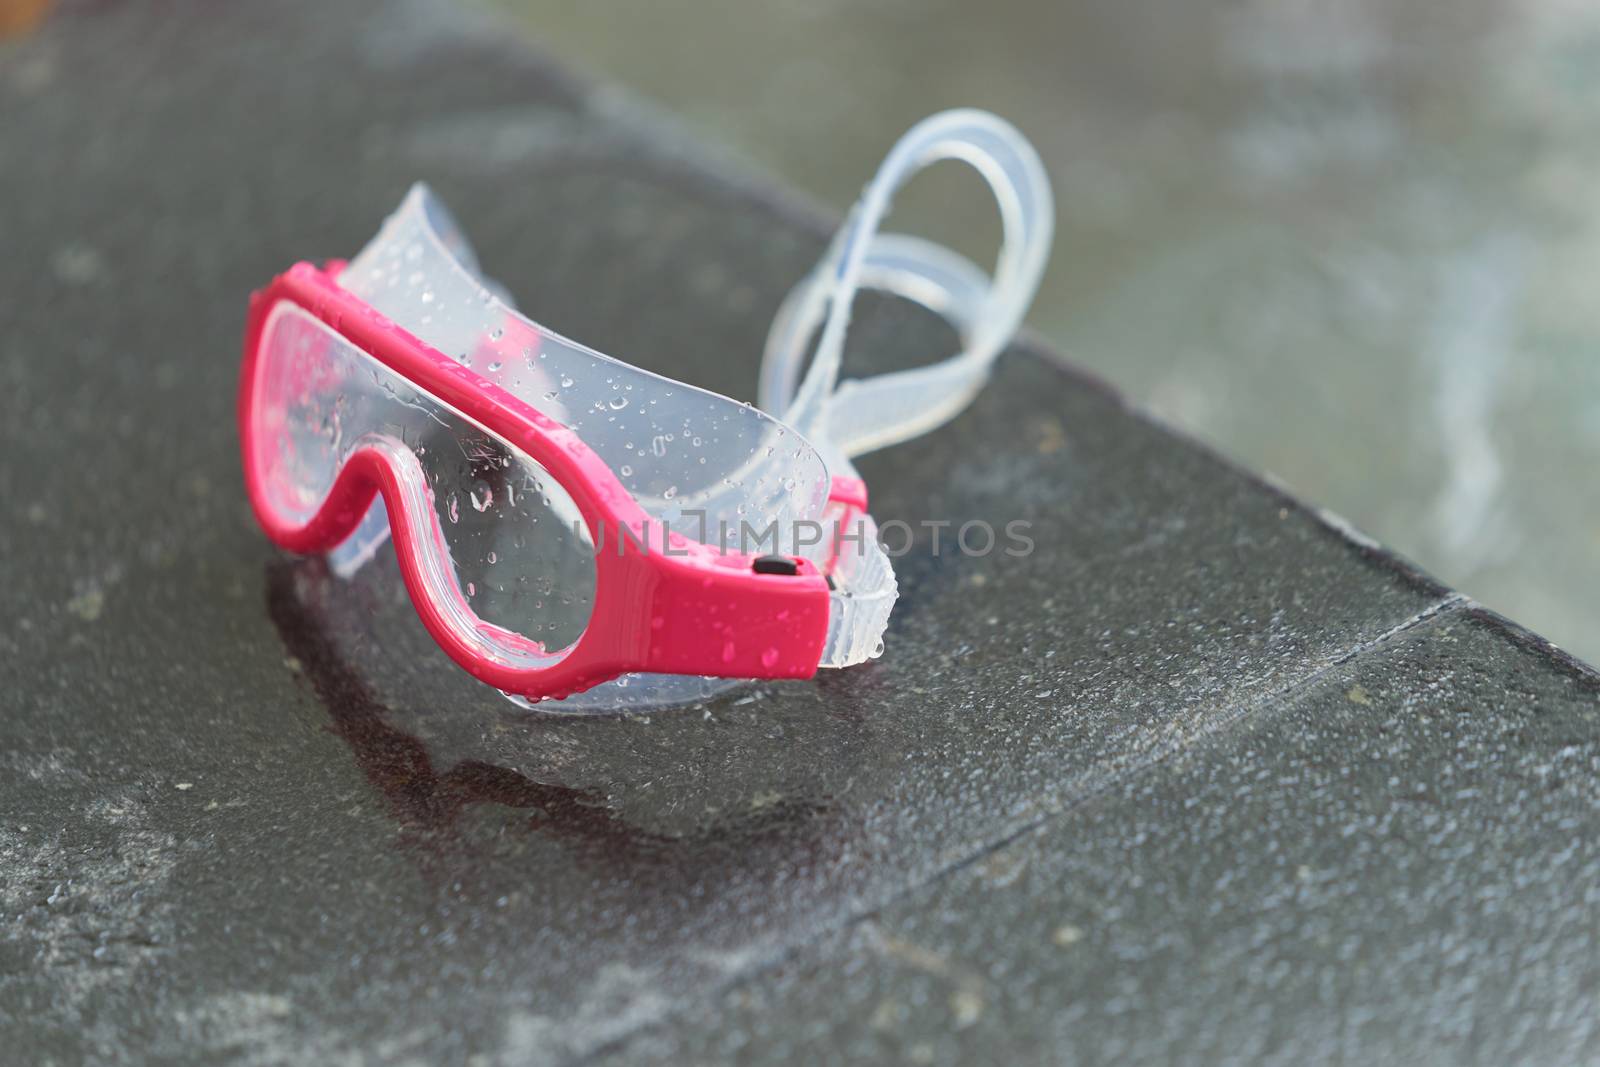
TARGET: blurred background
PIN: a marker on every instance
(1350, 244)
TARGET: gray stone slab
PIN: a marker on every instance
(252, 815)
(1395, 864)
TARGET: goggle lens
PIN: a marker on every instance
(509, 541)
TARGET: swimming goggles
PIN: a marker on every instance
(563, 519)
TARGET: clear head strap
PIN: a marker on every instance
(860, 415)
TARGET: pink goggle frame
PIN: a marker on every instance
(662, 602)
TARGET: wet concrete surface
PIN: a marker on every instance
(252, 815)
(1391, 866)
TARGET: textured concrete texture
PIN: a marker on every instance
(1206, 777)
(1394, 865)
